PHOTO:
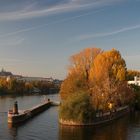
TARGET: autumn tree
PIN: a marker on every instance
(100, 74)
(107, 79)
(29, 87)
(79, 71)
(109, 63)
(83, 61)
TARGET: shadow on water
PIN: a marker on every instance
(117, 130)
(13, 130)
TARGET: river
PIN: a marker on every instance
(45, 126)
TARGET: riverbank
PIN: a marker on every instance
(100, 118)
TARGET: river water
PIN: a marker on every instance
(45, 126)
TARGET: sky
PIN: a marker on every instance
(37, 37)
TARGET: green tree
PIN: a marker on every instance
(77, 108)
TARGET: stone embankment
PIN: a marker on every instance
(100, 118)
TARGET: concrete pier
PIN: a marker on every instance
(15, 116)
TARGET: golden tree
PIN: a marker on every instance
(101, 74)
(109, 63)
(78, 75)
(107, 77)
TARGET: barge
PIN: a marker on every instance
(16, 116)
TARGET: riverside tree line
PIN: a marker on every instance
(15, 86)
(96, 81)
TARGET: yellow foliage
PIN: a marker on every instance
(109, 63)
(99, 73)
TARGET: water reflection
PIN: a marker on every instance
(121, 129)
(117, 130)
(36, 127)
(135, 118)
(13, 130)
(45, 125)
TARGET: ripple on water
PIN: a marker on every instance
(43, 126)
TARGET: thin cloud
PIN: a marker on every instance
(16, 41)
(20, 31)
(14, 60)
(98, 35)
(43, 25)
(36, 11)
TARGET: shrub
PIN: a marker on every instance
(77, 108)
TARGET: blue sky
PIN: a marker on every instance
(37, 37)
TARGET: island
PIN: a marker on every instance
(96, 89)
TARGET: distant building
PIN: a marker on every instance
(136, 81)
(9, 75)
(31, 79)
(4, 73)
(57, 82)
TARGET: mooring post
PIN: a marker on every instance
(15, 108)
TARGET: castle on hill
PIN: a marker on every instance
(4, 73)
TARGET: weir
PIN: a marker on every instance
(16, 116)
